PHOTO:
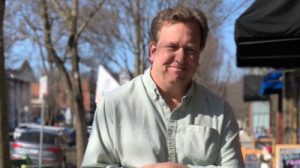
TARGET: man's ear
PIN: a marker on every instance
(152, 51)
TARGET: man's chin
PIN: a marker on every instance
(179, 79)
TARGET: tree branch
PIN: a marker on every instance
(36, 39)
(85, 23)
(61, 11)
(52, 55)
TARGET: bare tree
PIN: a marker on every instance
(56, 28)
(72, 80)
(59, 34)
(133, 36)
(4, 142)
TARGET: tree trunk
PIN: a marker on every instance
(81, 134)
(4, 141)
(138, 38)
(78, 107)
(73, 82)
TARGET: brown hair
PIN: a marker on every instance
(180, 14)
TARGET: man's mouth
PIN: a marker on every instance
(177, 67)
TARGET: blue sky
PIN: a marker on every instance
(228, 39)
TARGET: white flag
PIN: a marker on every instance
(105, 83)
(43, 87)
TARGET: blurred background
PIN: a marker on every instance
(60, 57)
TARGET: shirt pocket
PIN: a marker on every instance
(197, 145)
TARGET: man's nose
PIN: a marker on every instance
(180, 55)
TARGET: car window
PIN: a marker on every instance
(34, 137)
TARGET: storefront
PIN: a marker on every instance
(267, 34)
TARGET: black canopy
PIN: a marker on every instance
(267, 34)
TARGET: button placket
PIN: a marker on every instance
(171, 140)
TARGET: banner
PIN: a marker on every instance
(105, 83)
(43, 87)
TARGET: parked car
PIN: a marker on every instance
(55, 145)
(19, 130)
(22, 127)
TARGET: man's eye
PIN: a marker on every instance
(191, 51)
(172, 48)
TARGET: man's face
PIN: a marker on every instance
(175, 56)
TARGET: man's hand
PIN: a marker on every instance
(164, 165)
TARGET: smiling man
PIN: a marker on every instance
(163, 118)
(174, 59)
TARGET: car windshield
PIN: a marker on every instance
(34, 137)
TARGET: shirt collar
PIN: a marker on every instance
(150, 85)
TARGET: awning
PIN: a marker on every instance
(267, 34)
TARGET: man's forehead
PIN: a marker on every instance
(169, 24)
(192, 43)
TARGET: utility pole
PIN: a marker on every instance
(298, 103)
(290, 107)
(4, 140)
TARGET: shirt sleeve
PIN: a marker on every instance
(99, 151)
(231, 155)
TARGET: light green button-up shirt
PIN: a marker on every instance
(134, 126)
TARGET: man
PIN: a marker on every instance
(163, 118)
